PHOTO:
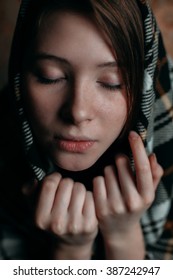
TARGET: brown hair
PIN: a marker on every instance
(121, 22)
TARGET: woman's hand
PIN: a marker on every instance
(67, 210)
(121, 198)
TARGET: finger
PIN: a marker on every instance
(77, 198)
(156, 169)
(89, 214)
(142, 166)
(75, 208)
(113, 188)
(59, 212)
(62, 197)
(99, 192)
(46, 199)
(89, 206)
(126, 179)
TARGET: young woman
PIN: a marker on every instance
(93, 115)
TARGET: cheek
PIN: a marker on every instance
(40, 110)
(37, 112)
(116, 112)
(40, 118)
(38, 102)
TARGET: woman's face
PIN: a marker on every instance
(74, 92)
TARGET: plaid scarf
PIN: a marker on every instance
(155, 125)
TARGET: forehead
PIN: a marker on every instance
(62, 31)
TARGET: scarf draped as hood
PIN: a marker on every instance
(155, 123)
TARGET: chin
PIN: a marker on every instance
(74, 166)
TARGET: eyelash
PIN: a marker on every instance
(47, 81)
(111, 87)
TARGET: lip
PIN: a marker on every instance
(74, 145)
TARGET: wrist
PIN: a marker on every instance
(120, 234)
(127, 244)
(72, 252)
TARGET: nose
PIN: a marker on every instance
(77, 107)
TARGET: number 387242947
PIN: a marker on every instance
(126, 270)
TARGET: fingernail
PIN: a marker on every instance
(154, 157)
(133, 135)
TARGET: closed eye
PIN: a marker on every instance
(111, 87)
(47, 81)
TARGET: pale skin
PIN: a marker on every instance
(116, 206)
(80, 91)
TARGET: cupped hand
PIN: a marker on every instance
(121, 197)
(67, 210)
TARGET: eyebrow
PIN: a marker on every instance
(108, 64)
(47, 56)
